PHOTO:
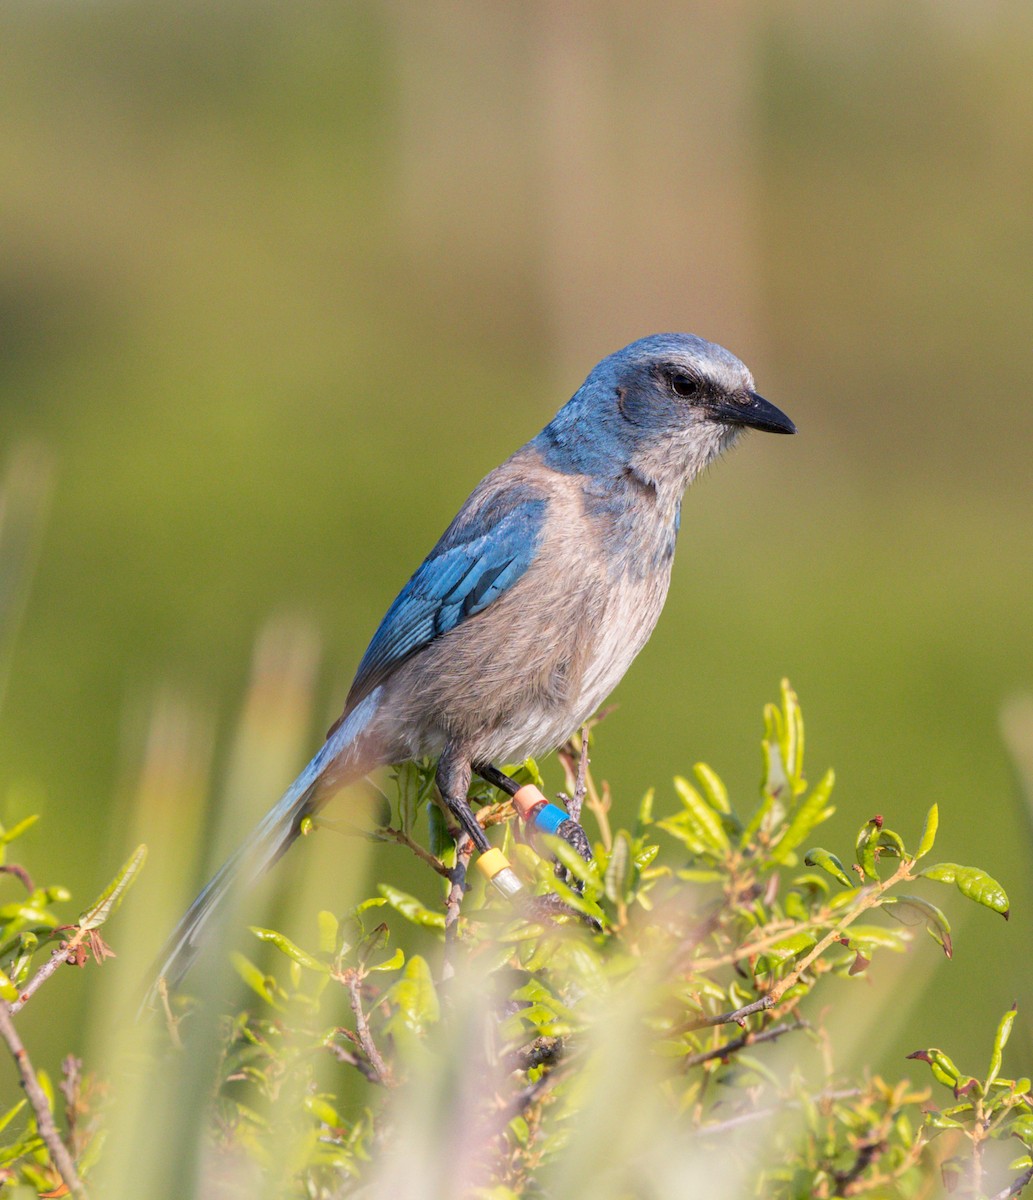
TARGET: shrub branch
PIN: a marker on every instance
(59, 1155)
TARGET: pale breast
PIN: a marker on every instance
(522, 675)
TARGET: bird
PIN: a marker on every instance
(529, 609)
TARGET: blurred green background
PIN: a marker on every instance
(279, 283)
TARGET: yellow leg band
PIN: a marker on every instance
(491, 862)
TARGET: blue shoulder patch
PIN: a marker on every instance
(478, 559)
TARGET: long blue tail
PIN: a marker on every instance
(351, 755)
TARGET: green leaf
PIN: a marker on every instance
(16, 831)
(680, 826)
(645, 810)
(415, 997)
(764, 818)
(287, 947)
(328, 929)
(374, 941)
(439, 839)
(867, 840)
(259, 983)
(411, 908)
(872, 936)
(790, 947)
(11, 1113)
(890, 843)
(111, 897)
(713, 788)
(617, 880)
(912, 910)
(587, 873)
(817, 857)
(932, 822)
(810, 814)
(411, 784)
(390, 964)
(811, 883)
(708, 825)
(973, 883)
(642, 858)
(700, 874)
(942, 1067)
(793, 739)
(323, 1110)
(1022, 1128)
(7, 989)
(1000, 1041)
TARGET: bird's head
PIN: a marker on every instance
(666, 405)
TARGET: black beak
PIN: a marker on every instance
(755, 413)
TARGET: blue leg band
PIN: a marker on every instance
(548, 819)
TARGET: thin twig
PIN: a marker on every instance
(741, 1042)
(344, 1055)
(776, 932)
(61, 955)
(454, 899)
(59, 1155)
(583, 763)
(580, 791)
(738, 1015)
(761, 1114)
(71, 1089)
(867, 1153)
(534, 1091)
(369, 1047)
(387, 834)
(19, 873)
(528, 1095)
(171, 1020)
(865, 901)
(1015, 1186)
(580, 783)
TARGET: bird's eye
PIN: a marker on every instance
(685, 386)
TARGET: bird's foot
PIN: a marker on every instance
(548, 907)
(539, 815)
(572, 833)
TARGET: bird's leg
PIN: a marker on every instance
(536, 810)
(453, 780)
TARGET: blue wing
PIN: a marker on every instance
(480, 556)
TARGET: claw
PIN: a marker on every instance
(539, 815)
(572, 832)
(544, 817)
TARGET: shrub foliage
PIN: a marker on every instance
(667, 1014)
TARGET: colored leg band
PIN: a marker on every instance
(494, 866)
(491, 862)
(532, 806)
(549, 818)
(526, 800)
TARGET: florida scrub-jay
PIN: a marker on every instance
(533, 603)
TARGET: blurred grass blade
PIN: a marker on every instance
(23, 502)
